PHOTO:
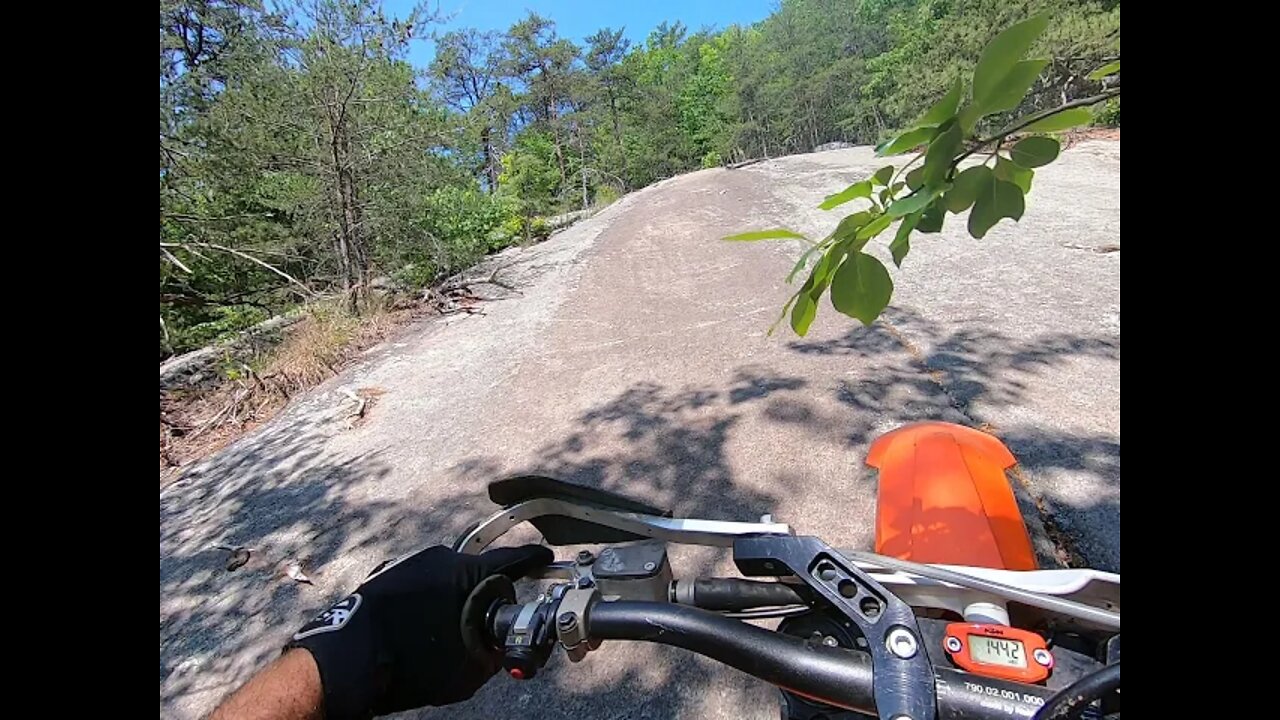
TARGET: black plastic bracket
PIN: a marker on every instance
(903, 686)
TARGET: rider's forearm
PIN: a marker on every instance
(287, 689)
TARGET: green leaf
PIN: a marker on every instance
(999, 199)
(849, 226)
(1009, 171)
(932, 218)
(912, 203)
(791, 276)
(968, 184)
(896, 187)
(806, 307)
(1001, 56)
(906, 141)
(944, 108)
(1110, 68)
(786, 306)
(968, 118)
(853, 192)
(872, 229)
(883, 175)
(774, 234)
(821, 277)
(901, 244)
(915, 178)
(861, 288)
(803, 313)
(1035, 151)
(943, 149)
(1009, 93)
(1061, 121)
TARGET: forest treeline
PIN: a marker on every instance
(302, 154)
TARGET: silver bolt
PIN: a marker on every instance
(901, 642)
(650, 566)
(953, 644)
(830, 641)
(1043, 657)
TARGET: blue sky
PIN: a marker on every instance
(576, 19)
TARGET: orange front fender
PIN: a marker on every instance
(944, 498)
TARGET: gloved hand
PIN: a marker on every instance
(396, 642)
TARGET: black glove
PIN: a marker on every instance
(396, 642)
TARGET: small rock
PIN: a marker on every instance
(239, 556)
(294, 572)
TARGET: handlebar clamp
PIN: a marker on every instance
(572, 616)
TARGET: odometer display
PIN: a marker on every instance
(997, 651)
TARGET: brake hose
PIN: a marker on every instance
(1073, 699)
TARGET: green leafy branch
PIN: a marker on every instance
(992, 190)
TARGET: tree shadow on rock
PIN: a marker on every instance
(667, 447)
(286, 501)
(1083, 489)
(920, 370)
(968, 365)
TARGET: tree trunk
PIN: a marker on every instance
(552, 116)
(555, 138)
(762, 132)
(813, 126)
(348, 240)
(582, 160)
(617, 135)
(490, 168)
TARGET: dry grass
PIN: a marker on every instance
(196, 423)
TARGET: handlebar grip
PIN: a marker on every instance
(735, 594)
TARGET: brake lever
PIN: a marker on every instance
(903, 674)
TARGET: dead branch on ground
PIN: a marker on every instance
(456, 294)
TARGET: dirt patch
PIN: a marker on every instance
(1075, 137)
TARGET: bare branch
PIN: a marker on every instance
(203, 218)
(222, 248)
(1037, 117)
(170, 257)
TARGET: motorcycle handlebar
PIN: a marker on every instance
(835, 676)
(832, 675)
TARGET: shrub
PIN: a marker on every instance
(220, 323)
(415, 276)
(539, 229)
(452, 229)
(607, 195)
(1107, 114)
